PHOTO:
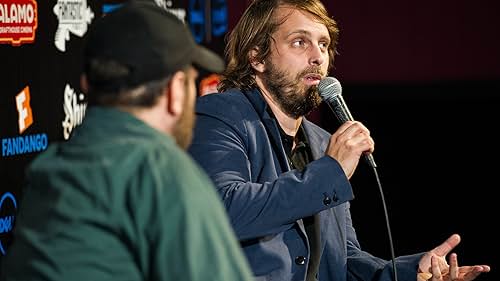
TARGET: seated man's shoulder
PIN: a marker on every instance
(231, 101)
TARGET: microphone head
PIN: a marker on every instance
(329, 88)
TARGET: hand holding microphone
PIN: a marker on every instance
(352, 139)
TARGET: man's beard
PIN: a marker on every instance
(183, 130)
(293, 97)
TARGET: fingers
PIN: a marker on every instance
(436, 271)
(434, 275)
(453, 267)
(347, 145)
(424, 276)
(485, 268)
(354, 136)
(472, 272)
(350, 128)
(453, 272)
(447, 246)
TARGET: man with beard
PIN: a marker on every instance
(285, 181)
(121, 200)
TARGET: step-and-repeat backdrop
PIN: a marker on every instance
(41, 44)
(438, 77)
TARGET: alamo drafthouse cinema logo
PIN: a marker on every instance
(18, 21)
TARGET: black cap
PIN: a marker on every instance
(150, 41)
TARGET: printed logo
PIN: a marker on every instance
(74, 16)
(24, 144)
(74, 108)
(167, 5)
(25, 117)
(7, 202)
(18, 21)
(208, 85)
(28, 143)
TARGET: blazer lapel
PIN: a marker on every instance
(271, 126)
(260, 105)
(318, 141)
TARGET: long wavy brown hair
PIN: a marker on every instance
(254, 31)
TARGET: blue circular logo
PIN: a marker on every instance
(6, 222)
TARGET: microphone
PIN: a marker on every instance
(330, 91)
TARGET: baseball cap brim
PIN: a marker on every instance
(149, 41)
(207, 59)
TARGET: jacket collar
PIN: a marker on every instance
(261, 107)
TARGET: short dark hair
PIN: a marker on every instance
(99, 71)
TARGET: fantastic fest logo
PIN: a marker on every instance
(74, 17)
(18, 21)
(8, 208)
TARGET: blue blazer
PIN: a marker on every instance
(238, 144)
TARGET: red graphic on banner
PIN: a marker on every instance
(208, 85)
(18, 21)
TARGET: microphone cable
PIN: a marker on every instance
(386, 215)
(330, 90)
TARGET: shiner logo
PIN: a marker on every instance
(74, 16)
(8, 207)
(74, 107)
(18, 21)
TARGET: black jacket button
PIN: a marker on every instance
(335, 197)
(327, 200)
(300, 260)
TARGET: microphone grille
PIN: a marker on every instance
(329, 88)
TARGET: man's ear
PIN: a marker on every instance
(175, 93)
(257, 65)
(84, 84)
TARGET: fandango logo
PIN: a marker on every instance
(24, 144)
(6, 222)
(25, 115)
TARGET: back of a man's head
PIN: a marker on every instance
(131, 53)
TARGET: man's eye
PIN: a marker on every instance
(298, 43)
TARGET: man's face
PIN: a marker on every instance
(183, 130)
(299, 59)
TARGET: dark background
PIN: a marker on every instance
(421, 75)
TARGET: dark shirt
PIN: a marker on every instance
(298, 158)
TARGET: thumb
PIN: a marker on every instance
(447, 246)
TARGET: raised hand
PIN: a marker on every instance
(434, 267)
